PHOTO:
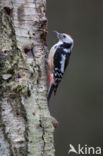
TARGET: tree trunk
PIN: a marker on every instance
(25, 124)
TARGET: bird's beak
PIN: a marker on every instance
(58, 35)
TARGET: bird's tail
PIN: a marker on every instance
(51, 87)
(50, 93)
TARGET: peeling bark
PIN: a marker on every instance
(25, 124)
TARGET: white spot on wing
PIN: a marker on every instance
(56, 69)
(62, 63)
(67, 50)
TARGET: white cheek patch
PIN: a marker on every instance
(63, 57)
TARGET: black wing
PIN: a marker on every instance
(61, 60)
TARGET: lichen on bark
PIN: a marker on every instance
(25, 125)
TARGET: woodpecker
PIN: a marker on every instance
(58, 60)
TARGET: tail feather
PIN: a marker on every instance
(55, 89)
(51, 86)
(52, 89)
(50, 93)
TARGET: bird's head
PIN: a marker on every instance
(65, 38)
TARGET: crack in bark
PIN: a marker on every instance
(43, 130)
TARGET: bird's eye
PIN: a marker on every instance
(64, 36)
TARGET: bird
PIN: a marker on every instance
(58, 60)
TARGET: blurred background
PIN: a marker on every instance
(78, 104)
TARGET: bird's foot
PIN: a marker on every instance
(55, 122)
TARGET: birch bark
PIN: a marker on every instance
(25, 124)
